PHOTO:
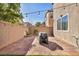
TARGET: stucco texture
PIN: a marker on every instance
(73, 22)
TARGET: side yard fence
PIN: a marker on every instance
(10, 33)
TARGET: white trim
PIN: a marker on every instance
(68, 24)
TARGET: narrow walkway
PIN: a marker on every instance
(55, 47)
(20, 47)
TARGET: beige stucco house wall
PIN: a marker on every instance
(29, 28)
(49, 19)
(49, 22)
(73, 21)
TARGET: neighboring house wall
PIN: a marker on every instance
(42, 28)
(49, 22)
(10, 33)
(49, 19)
(29, 28)
(73, 22)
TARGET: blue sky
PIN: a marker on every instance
(32, 7)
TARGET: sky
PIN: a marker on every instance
(32, 7)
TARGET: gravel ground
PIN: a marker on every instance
(20, 47)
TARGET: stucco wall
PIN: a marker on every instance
(49, 20)
(73, 22)
(49, 23)
(10, 33)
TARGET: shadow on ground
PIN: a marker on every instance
(52, 46)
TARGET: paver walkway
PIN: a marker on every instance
(20, 47)
(55, 47)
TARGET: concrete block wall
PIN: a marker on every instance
(10, 33)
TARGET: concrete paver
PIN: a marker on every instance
(55, 47)
(20, 47)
